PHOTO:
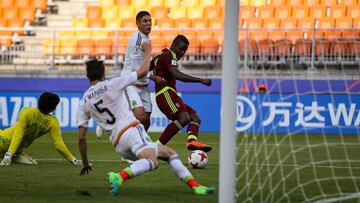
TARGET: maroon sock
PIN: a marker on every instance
(170, 131)
(193, 131)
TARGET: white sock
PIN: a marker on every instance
(178, 167)
(141, 166)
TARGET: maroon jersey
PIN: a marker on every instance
(161, 65)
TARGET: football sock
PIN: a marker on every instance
(178, 167)
(170, 130)
(193, 131)
(138, 167)
(190, 181)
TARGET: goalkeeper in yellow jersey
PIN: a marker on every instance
(32, 124)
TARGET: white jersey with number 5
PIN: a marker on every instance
(107, 104)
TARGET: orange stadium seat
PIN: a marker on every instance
(344, 23)
(80, 22)
(194, 46)
(204, 35)
(138, 3)
(6, 3)
(85, 47)
(103, 47)
(93, 12)
(22, 3)
(141, 8)
(349, 2)
(159, 12)
(212, 12)
(126, 12)
(329, 3)
(353, 11)
(290, 23)
(253, 23)
(128, 23)
(122, 2)
(209, 46)
(68, 47)
(257, 3)
(107, 3)
(169, 35)
(311, 2)
(28, 14)
(5, 39)
(294, 3)
(300, 12)
(17, 22)
(283, 12)
(40, 4)
(178, 12)
(337, 11)
(271, 23)
(96, 23)
(83, 34)
(326, 27)
(182, 23)
(157, 45)
(266, 12)
(199, 23)
(195, 12)
(120, 47)
(165, 23)
(277, 3)
(294, 35)
(113, 23)
(247, 12)
(282, 45)
(317, 11)
(205, 3)
(190, 3)
(307, 26)
(356, 26)
(110, 12)
(100, 34)
(10, 13)
(156, 34)
(4, 23)
(51, 46)
(154, 3)
(171, 3)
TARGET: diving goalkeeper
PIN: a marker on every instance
(32, 124)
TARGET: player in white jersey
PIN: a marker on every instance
(105, 101)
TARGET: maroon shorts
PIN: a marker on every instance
(172, 105)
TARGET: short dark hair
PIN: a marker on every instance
(48, 102)
(94, 69)
(141, 14)
(180, 38)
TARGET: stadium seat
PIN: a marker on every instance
(10, 13)
(282, 45)
(16, 23)
(203, 35)
(300, 12)
(294, 35)
(28, 14)
(349, 2)
(289, 23)
(271, 23)
(126, 12)
(120, 47)
(157, 45)
(339, 48)
(283, 12)
(103, 47)
(302, 47)
(356, 26)
(212, 12)
(328, 3)
(194, 46)
(113, 23)
(277, 3)
(209, 46)
(40, 4)
(253, 23)
(128, 23)
(205, 3)
(169, 35)
(96, 23)
(295, 3)
(317, 12)
(110, 12)
(93, 12)
(257, 3)
(85, 47)
(195, 12)
(337, 11)
(68, 47)
(80, 23)
(5, 39)
(83, 34)
(190, 3)
(353, 11)
(322, 48)
(22, 3)
(325, 27)
(199, 23)
(100, 34)
(182, 23)
(107, 3)
(156, 34)
(68, 34)
(51, 46)
(165, 23)
(159, 12)
(138, 3)
(122, 2)
(155, 3)
(172, 3)
(307, 25)
(266, 12)
(344, 23)
(311, 3)
(247, 12)
(7, 3)
(178, 12)
(141, 8)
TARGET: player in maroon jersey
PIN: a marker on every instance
(165, 65)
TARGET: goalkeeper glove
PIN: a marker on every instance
(76, 162)
(7, 159)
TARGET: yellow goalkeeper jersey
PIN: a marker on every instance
(31, 125)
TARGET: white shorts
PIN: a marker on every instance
(133, 141)
(139, 97)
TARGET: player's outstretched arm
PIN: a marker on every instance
(83, 150)
(144, 67)
(187, 78)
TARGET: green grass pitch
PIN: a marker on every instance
(55, 180)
